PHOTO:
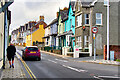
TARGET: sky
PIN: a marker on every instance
(23, 11)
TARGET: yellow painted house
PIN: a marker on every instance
(28, 40)
(38, 32)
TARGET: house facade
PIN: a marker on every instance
(14, 37)
(37, 32)
(94, 14)
(70, 27)
(82, 25)
(61, 27)
(47, 36)
(5, 21)
(53, 32)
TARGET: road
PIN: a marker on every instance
(56, 67)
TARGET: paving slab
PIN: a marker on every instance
(13, 73)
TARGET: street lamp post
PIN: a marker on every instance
(108, 30)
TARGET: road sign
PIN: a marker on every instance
(94, 30)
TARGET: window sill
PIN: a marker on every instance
(86, 48)
(78, 26)
(99, 25)
(87, 24)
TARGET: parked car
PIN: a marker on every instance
(31, 52)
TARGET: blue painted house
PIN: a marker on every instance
(53, 32)
(69, 23)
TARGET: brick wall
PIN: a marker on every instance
(115, 48)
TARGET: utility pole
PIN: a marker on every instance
(108, 30)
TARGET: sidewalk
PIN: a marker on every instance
(99, 59)
(13, 73)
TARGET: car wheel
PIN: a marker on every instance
(38, 59)
(24, 58)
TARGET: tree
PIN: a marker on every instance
(9, 38)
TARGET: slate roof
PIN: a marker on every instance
(53, 21)
(63, 13)
(86, 3)
(15, 31)
(40, 23)
(72, 4)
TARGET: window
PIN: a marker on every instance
(86, 18)
(47, 41)
(98, 19)
(67, 40)
(65, 26)
(32, 48)
(79, 20)
(105, 2)
(60, 29)
(86, 41)
(71, 23)
(79, 41)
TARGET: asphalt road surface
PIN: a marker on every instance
(53, 67)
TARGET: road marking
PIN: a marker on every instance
(108, 77)
(27, 68)
(43, 55)
(78, 70)
(43, 58)
(61, 60)
(52, 61)
(97, 77)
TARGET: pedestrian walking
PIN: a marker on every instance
(10, 54)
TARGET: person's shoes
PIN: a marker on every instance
(13, 66)
(10, 66)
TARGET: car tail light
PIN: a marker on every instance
(26, 50)
(38, 50)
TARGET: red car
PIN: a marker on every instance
(31, 52)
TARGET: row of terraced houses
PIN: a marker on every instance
(70, 32)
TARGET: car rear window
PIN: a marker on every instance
(32, 48)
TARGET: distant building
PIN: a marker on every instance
(14, 37)
(47, 35)
(23, 31)
(35, 37)
(51, 33)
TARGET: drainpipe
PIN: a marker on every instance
(5, 37)
(108, 30)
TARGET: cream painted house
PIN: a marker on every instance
(4, 19)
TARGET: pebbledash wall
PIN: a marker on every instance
(101, 37)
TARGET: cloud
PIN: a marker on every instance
(24, 11)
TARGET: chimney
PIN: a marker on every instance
(57, 14)
(65, 8)
(41, 18)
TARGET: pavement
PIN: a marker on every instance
(99, 59)
(13, 73)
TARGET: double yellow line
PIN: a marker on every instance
(27, 68)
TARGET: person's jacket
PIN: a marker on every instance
(11, 50)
